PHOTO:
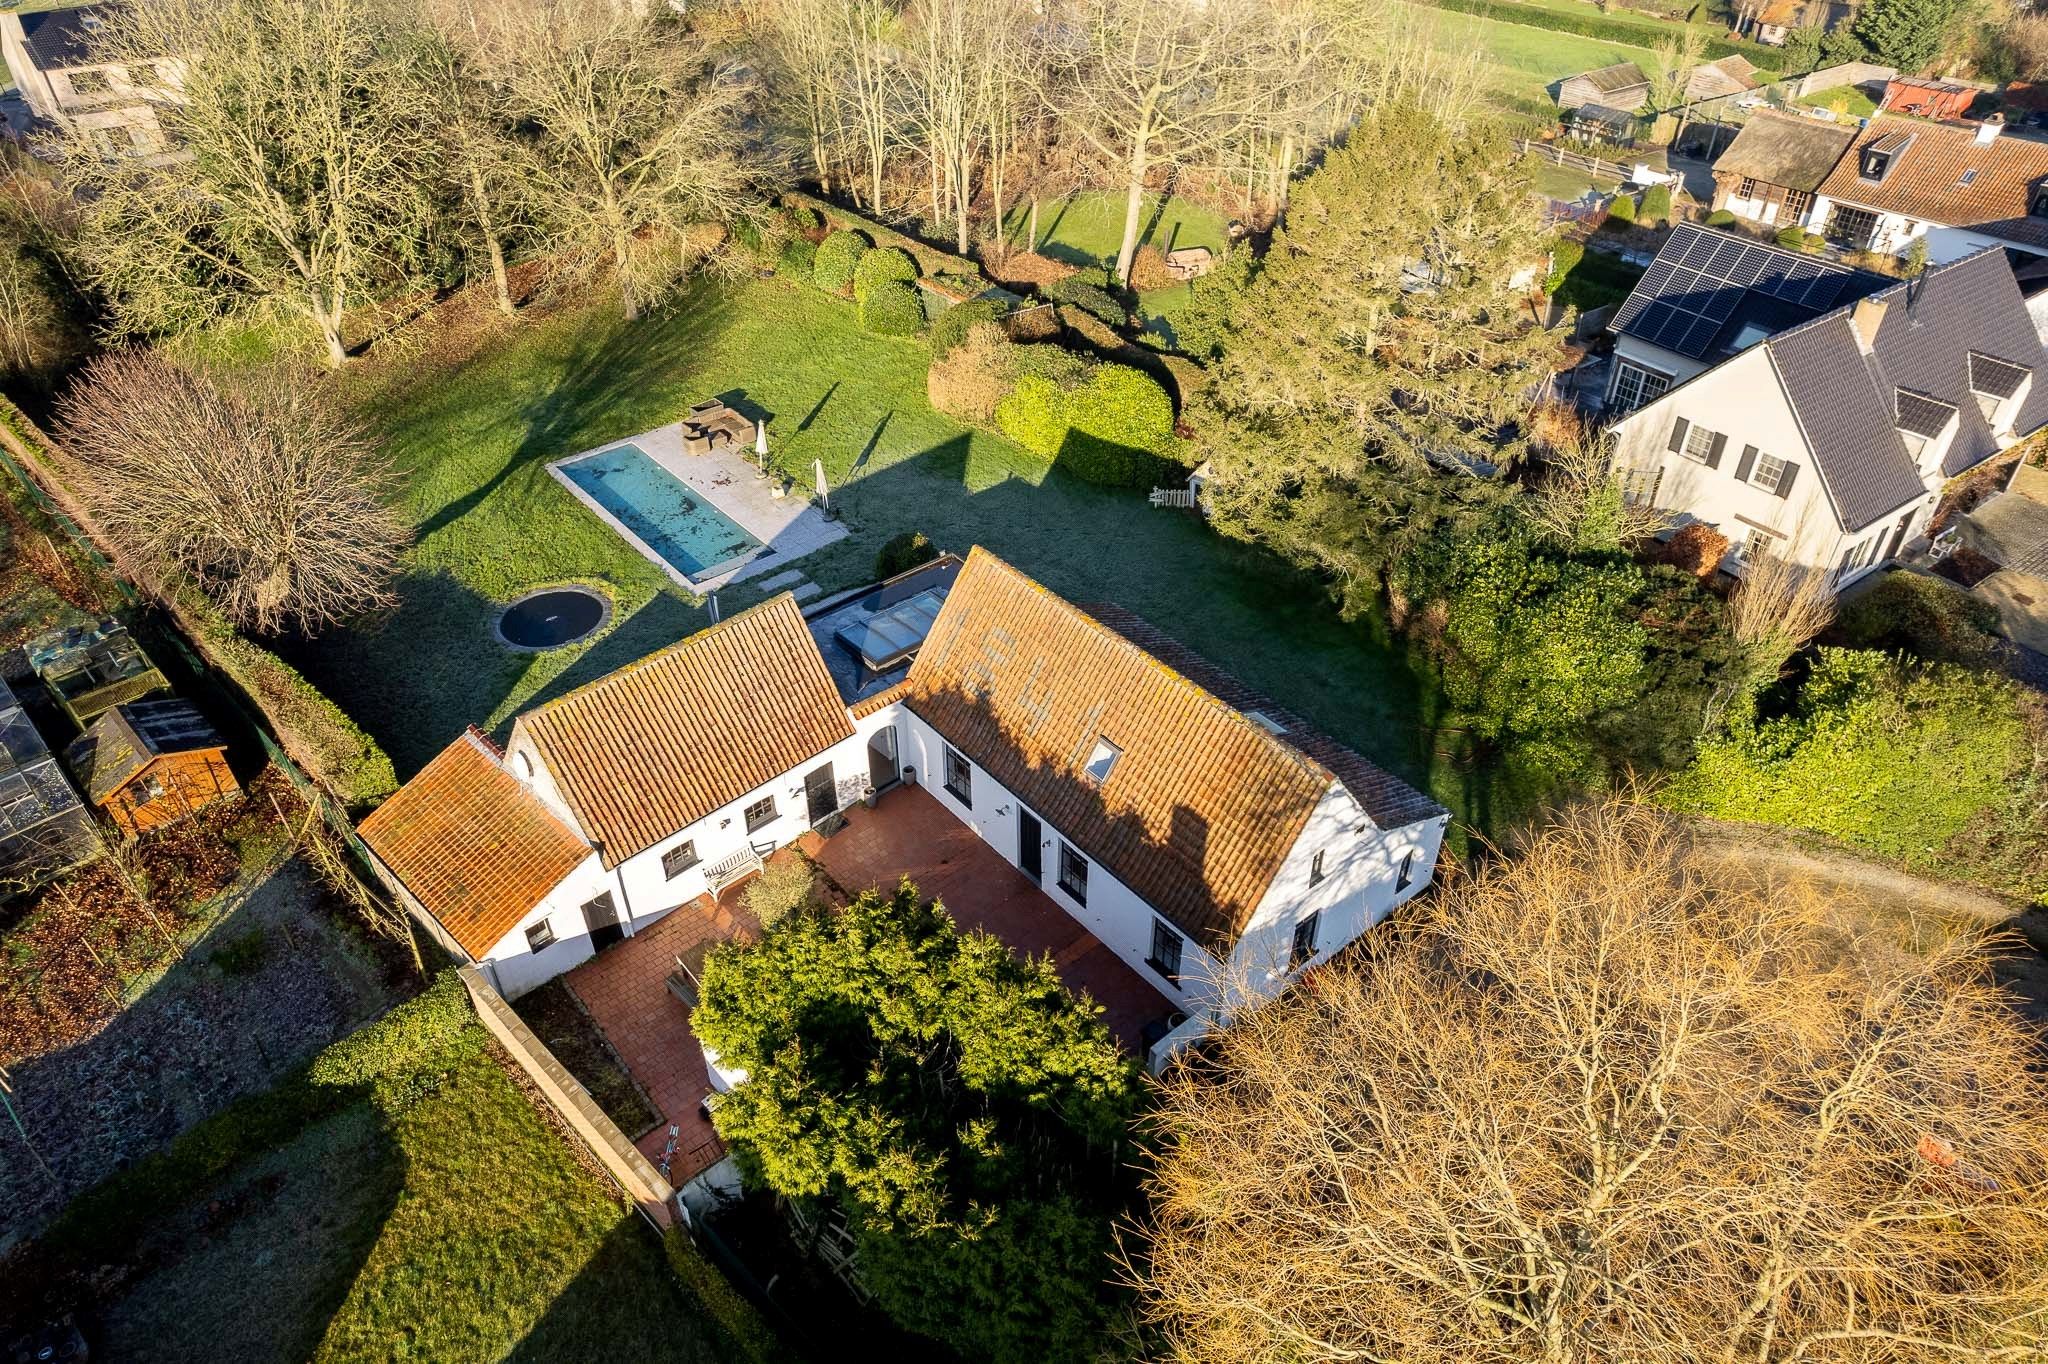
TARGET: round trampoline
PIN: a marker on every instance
(552, 617)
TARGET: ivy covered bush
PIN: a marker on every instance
(891, 309)
(798, 259)
(1076, 292)
(1565, 255)
(1622, 210)
(1656, 205)
(1906, 760)
(1927, 617)
(950, 327)
(880, 266)
(838, 258)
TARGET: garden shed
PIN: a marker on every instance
(151, 763)
(93, 668)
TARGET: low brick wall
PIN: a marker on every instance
(633, 1172)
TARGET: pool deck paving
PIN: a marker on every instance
(789, 527)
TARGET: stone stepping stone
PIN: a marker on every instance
(805, 591)
(783, 579)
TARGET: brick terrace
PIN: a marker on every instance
(909, 833)
(625, 989)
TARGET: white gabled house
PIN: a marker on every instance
(1811, 410)
(1218, 845)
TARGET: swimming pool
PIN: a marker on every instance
(662, 512)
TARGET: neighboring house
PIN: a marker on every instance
(1622, 86)
(151, 763)
(1217, 844)
(93, 668)
(1775, 24)
(1926, 97)
(1961, 187)
(1812, 410)
(1772, 171)
(44, 826)
(50, 56)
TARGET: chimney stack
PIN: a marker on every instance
(1989, 129)
(1864, 319)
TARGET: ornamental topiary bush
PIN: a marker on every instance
(1122, 421)
(1034, 414)
(880, 266)
(1656, 205)
(838, 257)
(905, 552)
(891, 309)
(799, 258)
(1091, 299)
(950, 327)
(1720, 217)
(1623, 209)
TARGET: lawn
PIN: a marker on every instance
(1846, 101)
(472, 441)
(1522, 64)
(399, 1199)
(1562, 182)
(1087, 227)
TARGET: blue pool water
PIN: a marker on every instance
(661, 509)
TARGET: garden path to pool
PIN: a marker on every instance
(788, 527)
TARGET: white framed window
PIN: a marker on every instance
(1073, 878)
(959, 777)
(1769, 472)
(540, 936)
(1166, 945)
(1758, 542)
(1699, 443)
(1635, 386)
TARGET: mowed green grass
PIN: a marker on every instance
(472, 442)
(1522, 64)
(1087, 227)
(430, 1214)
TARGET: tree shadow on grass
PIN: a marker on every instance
(592, 1308)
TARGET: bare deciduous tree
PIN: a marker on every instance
(301, 169)
(1614, 1100)
(802, 41)
(266, 496)
(639, 138)
(459, 85)
(1579, 500)
(1150, 82)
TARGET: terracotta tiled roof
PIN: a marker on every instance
(1200, 807)
(1926, 179)
(652, 748)
(472, 844)
(882, 699)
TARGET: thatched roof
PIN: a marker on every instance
(1780, 149)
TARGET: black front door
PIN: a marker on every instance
(1899, 536)
(883, 771)
(1029, 854)
(601, 916)
(821, 793)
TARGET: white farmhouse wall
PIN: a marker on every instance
(1756, 208)
(1359, 887)
(1114, 913)
(1895, 233)
(514, 968)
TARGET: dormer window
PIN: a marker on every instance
(1997, 386)
(1101, 760)
(2037, 202)
(1876, 160)
(1875, 164)
(1921, 420)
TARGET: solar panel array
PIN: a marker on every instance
(1700, 278)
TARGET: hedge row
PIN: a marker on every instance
(930, 259)
(317, 734)
(1101, 422)
(1596, 25)
(724, 1304)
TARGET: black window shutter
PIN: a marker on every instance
(1714, 450)
(1785, 480)
(1747, 463)
(1678, 430)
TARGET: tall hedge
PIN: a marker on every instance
(838, 258)
(880, 266)
(1107, 424)
(1091, 299)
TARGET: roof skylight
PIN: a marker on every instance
(1101, 760)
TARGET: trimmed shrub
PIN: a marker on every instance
(1565, 255)
(1720, 217)
(905, 552)
(880, 266)
(892, 309)
(799, 258)
(1656, 205)
(1122, 421)
(802, 219)
(1091, 299)
(971, 378)
(1923, 616)
(1034, 414)
(838, 257)
(950, 327)
(1623, 209)
(1792, 237)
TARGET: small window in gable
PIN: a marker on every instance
(1305, 939)
(1101, 760)
(1315, 869)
